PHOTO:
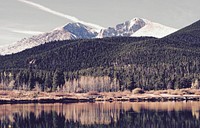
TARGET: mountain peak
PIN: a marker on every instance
(136, 19)
(80, 30)
(69, 31)
(74, 24)
(124, 29)
(137, 27)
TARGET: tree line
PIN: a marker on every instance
(114, 78)
(109, 64)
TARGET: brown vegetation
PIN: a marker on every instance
(138, 91)
(93, 93)
(137, 94)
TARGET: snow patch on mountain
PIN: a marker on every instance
(137, 27)
(68, 32)
(154, 30)
(36, 40)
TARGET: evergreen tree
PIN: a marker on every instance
(31, 82)
(131, 86)
(58, 79)
(48, 81)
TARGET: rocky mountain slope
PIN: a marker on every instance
(137, 27)
(133, 28)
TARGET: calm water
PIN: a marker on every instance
(101, 115)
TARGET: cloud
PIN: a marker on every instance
(74, 19)
(26, 32)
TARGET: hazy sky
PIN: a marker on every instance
(24, 18)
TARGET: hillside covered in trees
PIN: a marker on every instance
(109, 64)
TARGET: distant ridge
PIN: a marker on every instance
(133, 28)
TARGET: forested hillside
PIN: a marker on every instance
(109, 64)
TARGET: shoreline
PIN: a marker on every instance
(25, 97)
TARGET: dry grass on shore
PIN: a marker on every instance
(186, 91)
(125, 94)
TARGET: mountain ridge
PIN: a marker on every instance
(137, 27)
(73, 31)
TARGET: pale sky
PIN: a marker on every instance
(24, 18)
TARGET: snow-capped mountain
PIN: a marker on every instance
(124, 29)
(137, 27)
(68, 32)
(154, 30)
(134, 27)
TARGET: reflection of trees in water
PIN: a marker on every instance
(90, 113)
(114, 114)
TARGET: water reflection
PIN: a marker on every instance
(102, 114)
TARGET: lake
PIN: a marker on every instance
(101, 115)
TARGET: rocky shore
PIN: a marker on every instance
(20, 97)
